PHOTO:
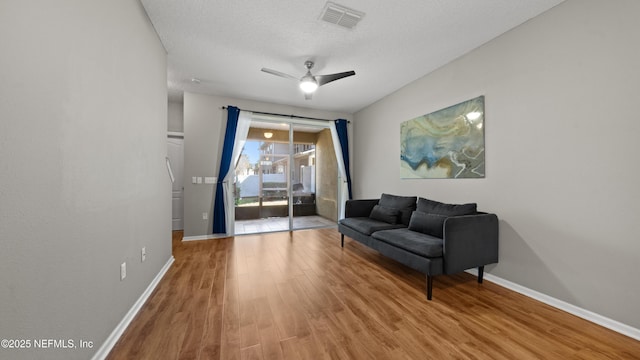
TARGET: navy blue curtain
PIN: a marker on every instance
(219, 217)
(341, 129)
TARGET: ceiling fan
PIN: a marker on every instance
(309, 83)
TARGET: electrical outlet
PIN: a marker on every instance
(143, 254)
(205, 216)
(123, 270)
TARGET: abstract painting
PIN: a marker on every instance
(446, 144)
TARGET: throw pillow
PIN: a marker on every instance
(430, 224)
(397, 202)
(435, 207)
(384, 214)
(405, 204)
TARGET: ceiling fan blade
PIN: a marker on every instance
(278, 73)
(323, 79)
(308, 96)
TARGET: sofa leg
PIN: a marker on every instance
(480, 273)
(342, 240)
(429, 286)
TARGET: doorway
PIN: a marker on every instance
(175, 153)
(286, 178)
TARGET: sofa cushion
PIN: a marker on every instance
(430, 224)
(405, 216)
(412, 241)
(435, 207)
(398, 202)
(367, 225)
(405, 204)
(385, 214)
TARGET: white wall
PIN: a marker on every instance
(175, 115)
(204, 127)
(561, 138)
(83, 183)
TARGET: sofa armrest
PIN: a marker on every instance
(470, 241)
(359, 208)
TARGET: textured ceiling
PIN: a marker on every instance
(225, 44)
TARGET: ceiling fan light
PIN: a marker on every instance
(308, 84)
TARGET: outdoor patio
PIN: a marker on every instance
(244, 227)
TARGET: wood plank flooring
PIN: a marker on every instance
(300, 295)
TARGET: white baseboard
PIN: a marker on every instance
(604, 321)
(106, 347)
(205, 237)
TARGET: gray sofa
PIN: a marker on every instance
(429, 236)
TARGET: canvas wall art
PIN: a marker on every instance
(446, 144)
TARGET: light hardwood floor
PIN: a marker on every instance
(300, 295)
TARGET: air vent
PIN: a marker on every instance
(341, 15)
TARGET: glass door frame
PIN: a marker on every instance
(290, 179)
(291, 122)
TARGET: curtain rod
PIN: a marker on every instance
(285, 115)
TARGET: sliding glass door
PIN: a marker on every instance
(278, 181)
(273, 181)
(303, 176)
